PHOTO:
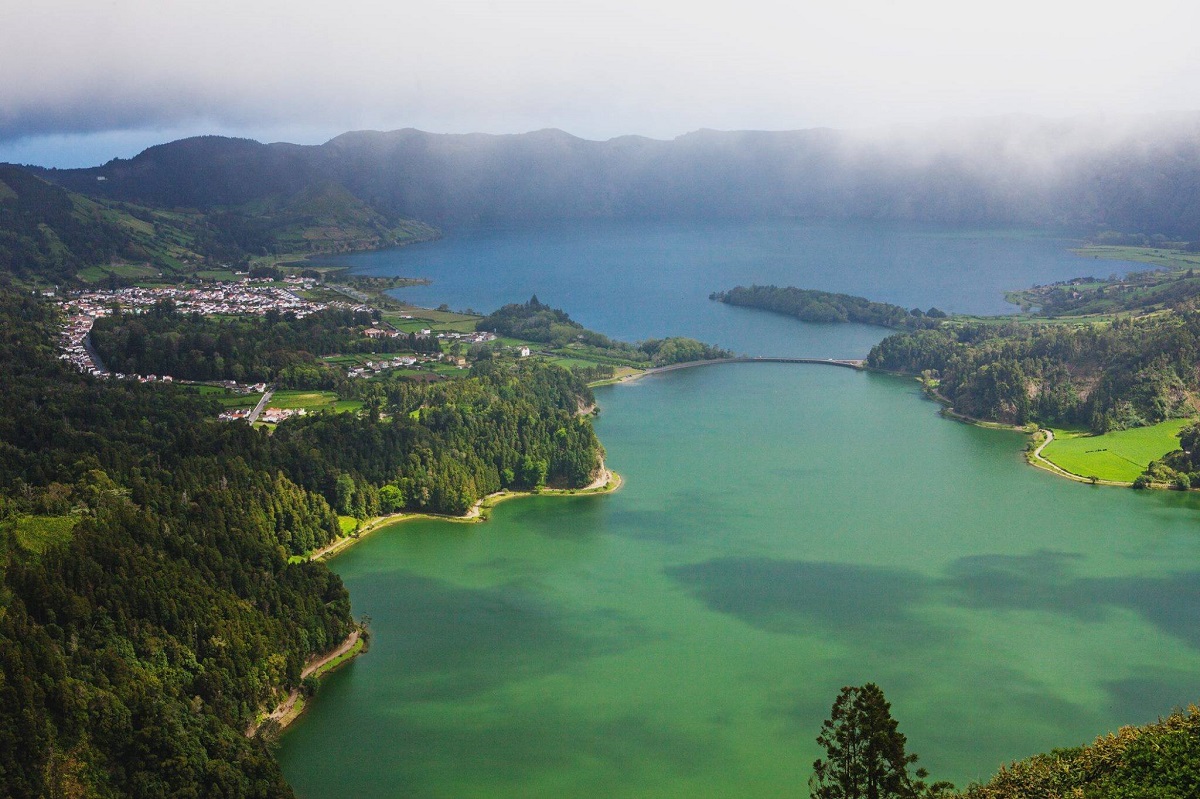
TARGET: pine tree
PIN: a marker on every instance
(865, 757)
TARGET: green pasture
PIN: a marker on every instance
(1159, 256)
(313, 401)
(1120, 455)
(38, 533)
(572, 363)
(94, 274)
(437, 321)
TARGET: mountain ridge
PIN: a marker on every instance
(1132, 175)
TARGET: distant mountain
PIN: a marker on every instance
(1139, 174)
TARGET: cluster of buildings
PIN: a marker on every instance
(375, 332)
(481, 337)
(73, 341)
(250, 296)
(372, 368)
(276, 415)
(272, 415)
(242, 297)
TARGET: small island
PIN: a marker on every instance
(810, 305)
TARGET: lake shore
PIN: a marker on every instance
(1040, 438)
(607, 482)
(293, 706)
(318, 666)
(1035, 458)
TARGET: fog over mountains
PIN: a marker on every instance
(1131, 174)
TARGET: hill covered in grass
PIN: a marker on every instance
(49, 235)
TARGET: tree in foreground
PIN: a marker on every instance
(865, 757)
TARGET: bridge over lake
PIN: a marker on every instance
(848, 363)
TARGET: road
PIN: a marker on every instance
(262, 403)
(91, 351)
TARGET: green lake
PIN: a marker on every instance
(783, 531)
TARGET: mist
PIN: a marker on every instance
(123, 75)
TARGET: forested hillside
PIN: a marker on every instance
(47, 233)
(148, 607)
(1104, 375)
(511, 424)
(536, 321)
(50, 235)
(1136, 175)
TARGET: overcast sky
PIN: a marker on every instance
(82, 81)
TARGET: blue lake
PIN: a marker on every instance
(649, 280)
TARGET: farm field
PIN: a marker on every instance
(1120, 455)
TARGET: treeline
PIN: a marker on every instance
(536, 321)
(136, 650)
(809, 305)
(272, 347)
(865, 756)
(1105, 376)
(509, 424)
(1180, 468)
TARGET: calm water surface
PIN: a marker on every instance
(784, 530)
(635, 281)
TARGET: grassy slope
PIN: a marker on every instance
(1120, 455)
(157, 244)
(37, 533)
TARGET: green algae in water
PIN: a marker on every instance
(783, 531)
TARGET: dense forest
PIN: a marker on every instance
(148, 608)
(809, 305)
(509, 424)
(272, 347)
(1104, 375)
(536, 321)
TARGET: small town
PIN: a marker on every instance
(246, 296)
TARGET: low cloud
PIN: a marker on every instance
(597, 69)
